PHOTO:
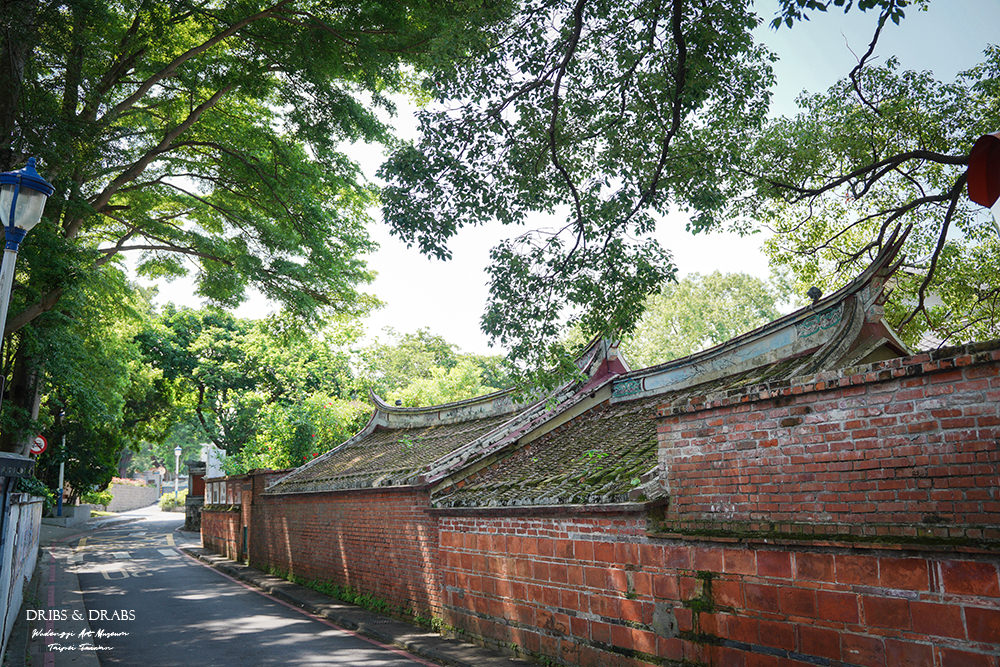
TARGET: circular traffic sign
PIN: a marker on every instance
(39, 444)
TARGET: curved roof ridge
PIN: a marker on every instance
(825, 313)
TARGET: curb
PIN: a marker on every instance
(384, 629)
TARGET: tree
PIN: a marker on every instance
(422, 368)
(201, 135)
(885, 148)
(701, 311)
(605, 115)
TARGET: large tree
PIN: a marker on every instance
(886, 148)
(603, 114)
(201, 135)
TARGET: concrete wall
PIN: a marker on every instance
(21, 534)
(126, 497)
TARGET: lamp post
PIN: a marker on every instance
(62, 464)
(22, 199)
(23, 194)
(177, 469)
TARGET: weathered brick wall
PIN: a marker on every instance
(831, 520)
(381, 542)
(222, 531)
(906, 447)
(595, 590)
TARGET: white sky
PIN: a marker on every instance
(449, 297)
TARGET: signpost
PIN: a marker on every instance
(38, 445)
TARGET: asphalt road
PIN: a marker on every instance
(150, 604)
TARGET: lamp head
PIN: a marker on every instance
(177, 450)
(22, 198)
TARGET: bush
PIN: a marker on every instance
(167, 503)
(35, 487)
(102, 498)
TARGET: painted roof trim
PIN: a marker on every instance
(823, 331)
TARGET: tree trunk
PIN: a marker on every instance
(17, 39)
(20, 401)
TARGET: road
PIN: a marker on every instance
(150, 604)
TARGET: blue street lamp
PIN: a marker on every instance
(22, 198)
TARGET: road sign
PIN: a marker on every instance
(39, 444)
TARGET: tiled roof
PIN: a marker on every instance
(606, 455)
(599, 457)
(385, 456)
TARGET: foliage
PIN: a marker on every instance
(421, 363)
(464, 380)
(194, 137)
(790, 11)
(120, 481)
(700, 311)
(36, 487)
(883, 148)
(602, 115)
(167, 502)
(291, 434)
(102, 498)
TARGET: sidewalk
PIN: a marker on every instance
(55, 587)
(387, 630)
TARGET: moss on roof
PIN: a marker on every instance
(599, 457)
(385, 457)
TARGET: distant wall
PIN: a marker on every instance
(126, 497)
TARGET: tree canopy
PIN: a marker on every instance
(886, 147)
(700, 311)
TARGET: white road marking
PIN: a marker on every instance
(121, 554)
(168, 552)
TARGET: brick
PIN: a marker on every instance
(726, 593)
(739, 561)
(707, 559)
(819, 642)
(857, 570)
(837, 607)
(738, 628)
(677, 557)
(908, 654)
(776, 634)
(760, 597)
(940, 620)
(983, 624)
(797, 601)
(904, 573)
(886, 612)
(861, 650)
(774, 564)
(604, 552)
(949, 657)
(665, 587)
(964, 577)
(814, 567)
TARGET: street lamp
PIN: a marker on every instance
(22, 198)
(177, 469)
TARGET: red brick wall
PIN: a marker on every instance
(595, 590)
(381, 542)
(907, 447)
(222, 532)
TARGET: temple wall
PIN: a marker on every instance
(907, 448)
(381, 542)
(837, 519)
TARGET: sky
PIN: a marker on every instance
(448, 297)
